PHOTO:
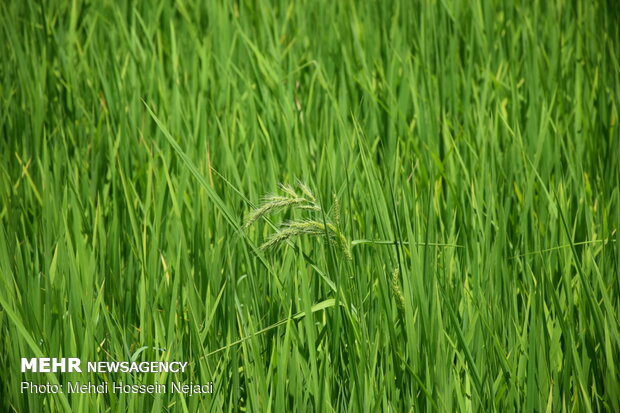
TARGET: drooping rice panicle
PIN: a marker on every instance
(275, 203)
(397, 290)
(335, 211)
(304, 188)
(287, 189)
(294, 229)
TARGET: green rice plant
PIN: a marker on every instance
(468, 261)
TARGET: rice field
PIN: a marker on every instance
(318, 205)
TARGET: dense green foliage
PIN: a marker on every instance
(464, 154)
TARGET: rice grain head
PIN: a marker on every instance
(397, 290)
(293, 229)
(275, 203)
(301, 201)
